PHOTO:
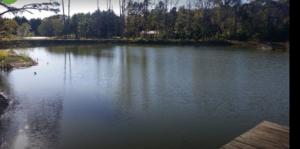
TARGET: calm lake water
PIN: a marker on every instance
(142, 97)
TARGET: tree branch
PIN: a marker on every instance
(51, 6)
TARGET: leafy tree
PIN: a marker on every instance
(80, 25)
(170, 22)
(34, 24)
(181, 28)
(24, 30)
(8, 28)
(51, 26)
(20, 20)
(100, 24)
(261, 20)
(134, 20)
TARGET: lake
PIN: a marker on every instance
(142, 97)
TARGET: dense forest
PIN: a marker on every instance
(258, 20)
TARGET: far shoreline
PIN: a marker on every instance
(27, 42)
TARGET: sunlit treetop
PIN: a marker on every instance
(8, 2)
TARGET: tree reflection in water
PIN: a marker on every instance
(103, 96)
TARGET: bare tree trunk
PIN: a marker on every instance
(121, 15)
(64, 19)
(122, 4)
(189, 7)
(108, 4)
(68, 27)
(69, 4)
(145, 13)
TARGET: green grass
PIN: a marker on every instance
(3, 55)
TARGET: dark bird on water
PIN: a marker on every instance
(35, 73)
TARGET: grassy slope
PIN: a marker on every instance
(9, 59)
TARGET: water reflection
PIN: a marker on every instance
(46, 124)
(4, 85)
(29, 122)
(109, 96)
(94, 51)
(30, 125)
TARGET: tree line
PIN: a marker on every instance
(261, 20)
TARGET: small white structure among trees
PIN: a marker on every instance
(151, 33)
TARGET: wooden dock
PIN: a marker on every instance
(266, 135)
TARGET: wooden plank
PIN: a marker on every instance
(258, 143)
(274, 125)
(269, 125)
(266, 135)
(237, 145)
(270, 137)
(273, 133)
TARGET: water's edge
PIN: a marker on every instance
(4, 102)
(17, 43)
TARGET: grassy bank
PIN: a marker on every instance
(48, 42)
(9, 60)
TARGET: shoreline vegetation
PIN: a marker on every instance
(10, 60)
(262, 24)
(31, 42)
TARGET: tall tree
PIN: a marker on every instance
(68, 24)
(64, 19)
(52, 26)
(24, 30)
(34, 24)
(8, 28)
(122, 5)
(20, 20)
(146, 4)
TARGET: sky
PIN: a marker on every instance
(76, 7)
